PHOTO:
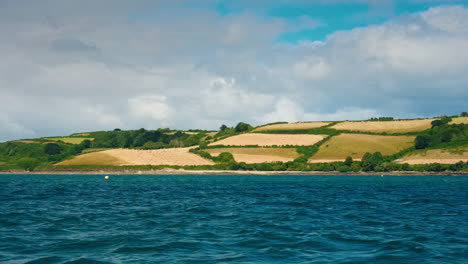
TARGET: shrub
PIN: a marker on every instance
(371, 161)
(241, 127)
(153, 145)
(422, 141)
(225, 157)
(223, 127)
(28, 164)
(348, 161)
(52, 149)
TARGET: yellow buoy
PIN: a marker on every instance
(106, 177)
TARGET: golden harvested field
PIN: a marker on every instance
(447, 156)
(89, 150)
(269, 140)
(356, 145)
(292, 126)
(459, 120)
(258, 155)
(32, 142)
(80, 134)
(403, 126)
(72, 140)
(94, 158)
(173, 156)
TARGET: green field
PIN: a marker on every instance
(356, 145)
(72, 140)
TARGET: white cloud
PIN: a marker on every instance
(83, 68)
(313, 70)
(99, 115)
(152, 107)
(11, 129)
(450, 19)
(285, 110)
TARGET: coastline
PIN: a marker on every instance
(230, 172)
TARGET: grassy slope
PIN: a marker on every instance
(72, 140)
(444, 155)
(356, 145)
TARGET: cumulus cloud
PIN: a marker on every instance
(152, 107)
(103, 65)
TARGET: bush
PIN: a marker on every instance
(153, 145)
(457, 166)
(223, 127)
(28, 164)
(241, 127)
(225, 157)
(441, 122)
(384, 118)
(348, 161)
(52, 149)
(422, 141)
(371, 161)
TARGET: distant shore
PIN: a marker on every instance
(232, 172)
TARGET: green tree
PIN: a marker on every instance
(153, 145)
(225, 157)
(241, 127)
(28, 164)
(464, 114)
(139, 140)
(366, 161)
(223, 127)
(52, 149)
(86, 143)
(436, 123)
(355, 166)
(83, 145)
(422, 141)
(444, 120)
(371, 161)
(457, 166)
(348, 161)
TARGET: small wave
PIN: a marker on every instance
(85, 261)
(45, 260)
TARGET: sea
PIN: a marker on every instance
(233, 219)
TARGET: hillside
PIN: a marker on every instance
(384, 143)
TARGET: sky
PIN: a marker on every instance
(76, 66)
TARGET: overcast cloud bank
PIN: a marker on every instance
(86, 68)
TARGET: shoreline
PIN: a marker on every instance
(228, 172)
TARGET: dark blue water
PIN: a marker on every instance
(233, 219)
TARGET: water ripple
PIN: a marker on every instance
(232, 219)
